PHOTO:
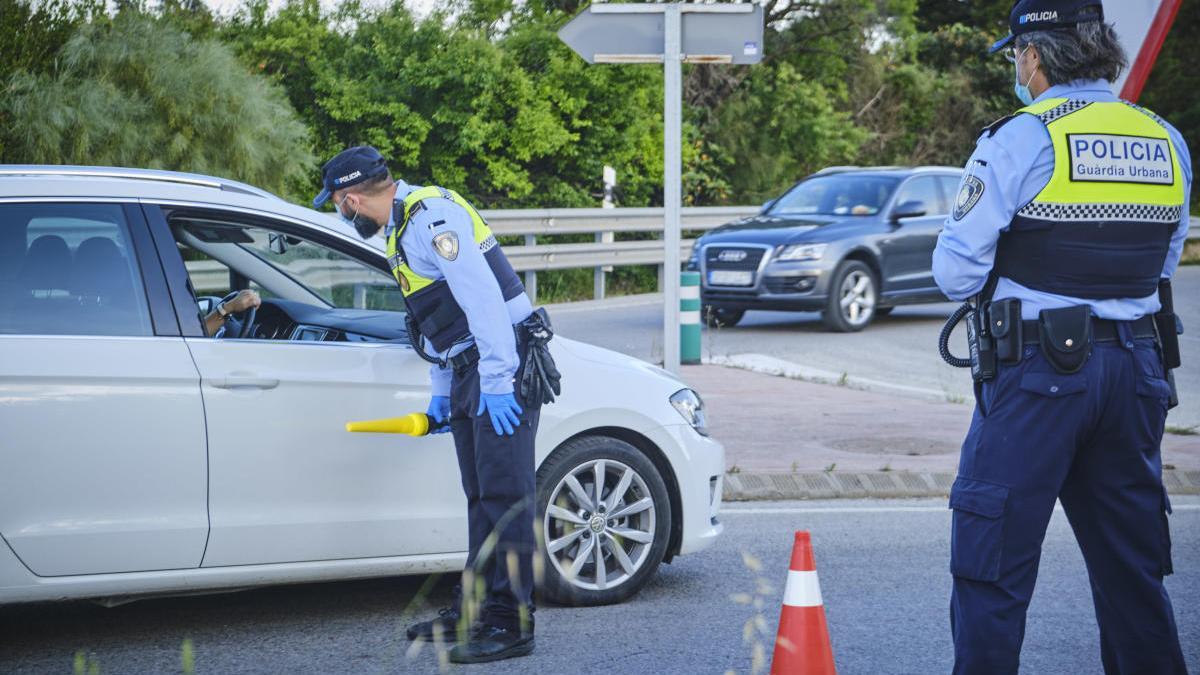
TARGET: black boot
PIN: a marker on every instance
(446, 623)
(492, 643)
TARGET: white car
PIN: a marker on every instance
(140, 456)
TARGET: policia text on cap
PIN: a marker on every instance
(1069, 219)
(468, 315)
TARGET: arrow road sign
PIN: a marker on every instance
(621, 33)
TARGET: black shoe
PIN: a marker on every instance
(492, 643)
(446, 623)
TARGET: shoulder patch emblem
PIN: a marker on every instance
(446, 245)
(968, 196)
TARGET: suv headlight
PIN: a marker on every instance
(802, 252)
(691, 408)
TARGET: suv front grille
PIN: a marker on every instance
(745, 258)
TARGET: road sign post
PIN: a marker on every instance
(671, 34)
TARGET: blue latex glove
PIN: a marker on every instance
(439, 410)
(504, 411)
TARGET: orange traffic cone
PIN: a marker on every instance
(802, 647)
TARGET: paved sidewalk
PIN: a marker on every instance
(791, 439)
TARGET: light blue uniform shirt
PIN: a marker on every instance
(474, 286)
(1015, 165)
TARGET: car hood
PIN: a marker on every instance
(617, 360)
(775, 230)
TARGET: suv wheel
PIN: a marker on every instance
(605, 520)
(852, 297)
(717, 317)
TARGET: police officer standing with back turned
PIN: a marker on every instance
(468, 315)
(1071, 215)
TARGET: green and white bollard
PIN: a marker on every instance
(689, 318)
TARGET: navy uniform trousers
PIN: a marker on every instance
(498, 480)
(1090, 439)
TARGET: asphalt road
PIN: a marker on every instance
(899, 349)
(882, 567)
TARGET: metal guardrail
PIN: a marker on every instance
(603, 253)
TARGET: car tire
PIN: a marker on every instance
(718, 317)
(567, 525)
(853, 297)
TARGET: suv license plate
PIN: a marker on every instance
(730, 278)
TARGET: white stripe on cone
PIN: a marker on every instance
(690, 317)
(802, 589)
(689, 292)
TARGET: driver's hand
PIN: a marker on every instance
(243, 301)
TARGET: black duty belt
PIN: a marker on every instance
(464, 359)
(1103, 330)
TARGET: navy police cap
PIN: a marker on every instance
(349, 167)
(1028, 16)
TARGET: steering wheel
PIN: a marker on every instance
(247, 319)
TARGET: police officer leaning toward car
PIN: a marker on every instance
(1070, 214)
(468, 315)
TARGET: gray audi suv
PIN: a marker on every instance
(849, 242)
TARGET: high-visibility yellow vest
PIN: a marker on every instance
(1102, 226)
(429, 301)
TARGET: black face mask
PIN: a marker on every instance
(365, 227)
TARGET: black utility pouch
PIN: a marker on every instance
(1005, 323)
(1066, 337)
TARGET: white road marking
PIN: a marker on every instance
(772, 511)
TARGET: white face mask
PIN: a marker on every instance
(1022, 90)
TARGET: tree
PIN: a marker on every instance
(137, 92)
(33, 34)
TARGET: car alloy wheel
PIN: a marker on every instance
(599, 525)
(604, 517)
(857, 298)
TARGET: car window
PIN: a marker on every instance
(69, 269)
(949, 189)
(923, 189)
(836, 195)
(208, 275)
(341, 280)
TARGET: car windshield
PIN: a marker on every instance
(339, 279)
(838, 195)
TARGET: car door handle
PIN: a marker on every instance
(241, 382)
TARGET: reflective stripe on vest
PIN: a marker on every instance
(430, 301)
(1101, 228)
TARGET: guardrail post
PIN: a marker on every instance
(689, 318)
(531, 275)
(598, 274)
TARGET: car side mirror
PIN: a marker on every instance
(206, 306)
(766, 206)
(909, 209)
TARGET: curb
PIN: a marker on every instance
(873, 484)
(770, 365)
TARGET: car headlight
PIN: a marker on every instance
(802, 252)
(691, 408)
